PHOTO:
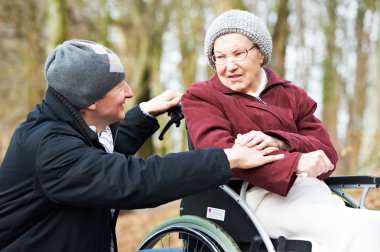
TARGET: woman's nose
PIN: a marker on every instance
(231, 64)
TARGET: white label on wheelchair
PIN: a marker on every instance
(215, 213)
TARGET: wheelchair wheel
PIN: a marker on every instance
(190, 234)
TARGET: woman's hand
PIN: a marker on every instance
(314, 163)
(260, 141)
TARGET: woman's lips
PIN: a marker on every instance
(234, 77)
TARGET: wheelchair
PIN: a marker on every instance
(219, 219)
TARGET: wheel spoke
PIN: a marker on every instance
(169, 242)
(187, 243)
(190, 233)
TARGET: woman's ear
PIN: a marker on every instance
(261, 58)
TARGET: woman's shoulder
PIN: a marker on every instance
(199, 89)
(199, 85)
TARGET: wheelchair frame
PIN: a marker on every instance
(241, 200)
(336, 184)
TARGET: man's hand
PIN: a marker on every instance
(161, 103)
(246, 158)
(314, 164)
(260, 141)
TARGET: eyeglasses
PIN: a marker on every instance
(221, 59)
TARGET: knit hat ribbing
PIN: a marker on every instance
(83, 71)
(243, 22)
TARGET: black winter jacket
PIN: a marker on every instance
(57, 183)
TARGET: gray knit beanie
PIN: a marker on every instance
(83, 71)
(243, 22)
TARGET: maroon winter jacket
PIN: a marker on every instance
(215, 115)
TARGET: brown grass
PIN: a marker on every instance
(132, 226)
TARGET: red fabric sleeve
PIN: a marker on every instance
(209, 127)
(311, 136)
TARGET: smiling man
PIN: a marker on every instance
(70, 164)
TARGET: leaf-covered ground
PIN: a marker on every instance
(132, 226)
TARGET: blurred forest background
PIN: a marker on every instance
(329, 47)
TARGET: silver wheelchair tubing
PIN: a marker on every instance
(241, 200)
(357, 204)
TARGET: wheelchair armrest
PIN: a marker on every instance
(353, 180)
(364, 182)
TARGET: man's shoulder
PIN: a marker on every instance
(35, 125)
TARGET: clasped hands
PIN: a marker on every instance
(311, 164)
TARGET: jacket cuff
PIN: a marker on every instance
(143, 110)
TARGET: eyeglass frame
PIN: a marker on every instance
(234, 58)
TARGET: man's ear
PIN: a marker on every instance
(92, 106)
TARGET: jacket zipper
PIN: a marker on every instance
(260, 100)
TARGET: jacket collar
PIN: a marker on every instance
(273, 79)
(60, 109)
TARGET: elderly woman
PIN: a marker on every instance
(246, 102)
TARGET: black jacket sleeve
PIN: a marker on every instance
(71, 172)
(134, 130)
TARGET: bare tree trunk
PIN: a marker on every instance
(370, 154)
(56, 23)
(369, 158)
(21, 55)
(143, 28)
(104, 23)
(280, 37)
(33, 55)
(356, 101)
(190, 35)
(189, 20)
(330, 96)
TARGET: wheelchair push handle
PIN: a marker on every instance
(176, 115)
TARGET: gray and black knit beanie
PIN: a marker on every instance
(243, 22)
(83, 71)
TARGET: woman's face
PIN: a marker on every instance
(240, 75)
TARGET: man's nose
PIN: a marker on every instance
(128, 91)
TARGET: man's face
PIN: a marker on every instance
(110, 108)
